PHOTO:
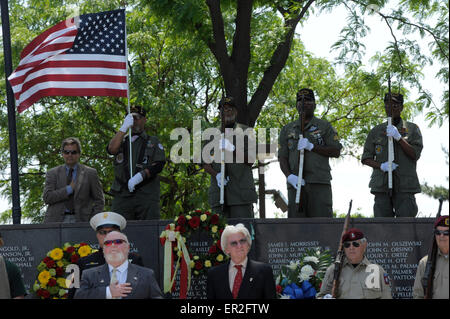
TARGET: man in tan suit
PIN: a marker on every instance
(359, 278)
(440, 280)
(72, 191)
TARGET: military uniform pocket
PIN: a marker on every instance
(371, 293)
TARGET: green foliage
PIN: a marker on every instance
(174, 74)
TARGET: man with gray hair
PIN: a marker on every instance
(72, 191)
(118, 278)
(241, 277)
(359, 278)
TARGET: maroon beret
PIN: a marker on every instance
(352, 234)
(441, 221)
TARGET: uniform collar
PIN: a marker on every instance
(311, 122)
(121, 268)
(364, 262)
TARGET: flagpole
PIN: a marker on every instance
(16, 211)
(130, 157)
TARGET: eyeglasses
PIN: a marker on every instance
(354, 243)
(70, 152)
(438, 232)
(104, 231)
(114, 241)
(241, 241)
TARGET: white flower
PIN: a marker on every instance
(306, 273)
(311, 259)
(285, 297)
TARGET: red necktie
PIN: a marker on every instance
(237, 281)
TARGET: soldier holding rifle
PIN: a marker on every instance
(319, 141)
(407, 140)
(232, 189)
(437, 286)
(358, 277)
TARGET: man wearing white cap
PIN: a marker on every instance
(103, 224)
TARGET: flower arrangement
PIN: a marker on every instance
(198, 220)
(174, 239)
(51, 280)
(302, 279)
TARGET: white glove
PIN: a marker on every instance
(225, 180)
(135, 180)
(304, 143)
(226, 145)
(127, 123)
(385, 166)
(292, 179)
(328, 296)
(391, 130)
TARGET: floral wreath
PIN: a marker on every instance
(50, 282)
(174, 239)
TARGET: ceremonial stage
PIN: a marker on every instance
(397, 244)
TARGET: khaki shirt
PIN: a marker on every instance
(316, 167)
(353, 282)
(240, 189)
(150, 150)
(440, 282)
(404, 176)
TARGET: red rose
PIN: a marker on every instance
(194, 222)
(83, 244)
(279, 289)
(218, 245)
(198, 211)
(181, 220)
(207, 228)
(70, 249)
(59, 271)
(162, 240)
(50, 263)
(74, 258)
(198, 265)
(208, 213)
(43, 293)
(212, 249)
(214, 219)
(51, 282)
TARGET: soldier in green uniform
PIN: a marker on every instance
(407, 149)
(441, 271)
(320, 142)
(137, 196)
(359, 278)
(239, 192)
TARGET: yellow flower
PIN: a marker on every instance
(203, 217)
(57, 254)
(84, 250)
(214, 229)
(220, 258)
(59, 263)
(196, 257)
(188, 217)
(180, 253)
(192, 264)
(44, 277)
(61, 282)
(208, 263)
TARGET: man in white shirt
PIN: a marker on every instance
(118, 278)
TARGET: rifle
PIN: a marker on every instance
(222, 161)
(302, 153)
(340, 255)
(428, 275)
(390, 143)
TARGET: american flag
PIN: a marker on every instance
(81, 56)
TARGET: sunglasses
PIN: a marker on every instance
(70, 152)
(241, 241)
(114, 241)
(438, 232)
(354, 243)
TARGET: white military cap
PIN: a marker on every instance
(108, 219)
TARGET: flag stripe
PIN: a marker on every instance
(70, 92)
(82, 59)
